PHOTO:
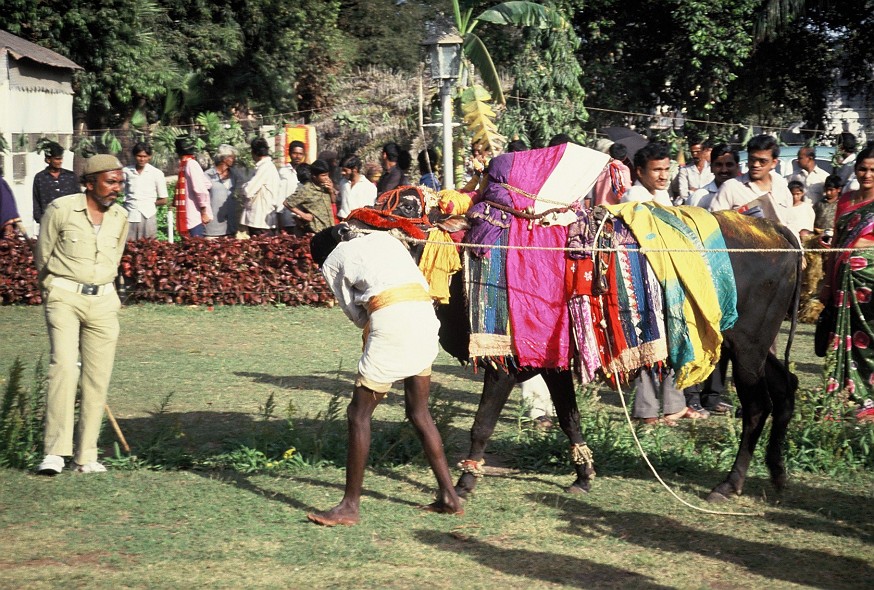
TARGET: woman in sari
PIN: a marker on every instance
(848, 286)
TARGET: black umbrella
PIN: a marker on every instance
(632, 140)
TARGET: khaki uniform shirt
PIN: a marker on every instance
(69, 248)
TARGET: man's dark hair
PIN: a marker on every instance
(296, 144)
(847, 141)
(427, 161)
(832, 181)
(654, 150)
(559, 139)
(399, 156)
(796, 184)
(52, 150)
(617, 151)
(141, 146)
(352, 163)
(260, 148)
(185, 145)
(707, 144)
(517, 145)
(808, 151)
(304, 175)
(323, 243)
(694, 140)
(319, 167)
(720, 149)
(763, 143)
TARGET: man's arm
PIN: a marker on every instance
(199, 190)
(37, 203)
(160, 187)
(49, 231)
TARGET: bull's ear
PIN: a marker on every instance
(453, 223)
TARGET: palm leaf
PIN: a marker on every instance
(523, 14)
(479, 56)
(479, 118)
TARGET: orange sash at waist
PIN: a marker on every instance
(399, 294)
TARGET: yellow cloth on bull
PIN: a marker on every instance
(438, 263)
(453, 202)
(692, 305)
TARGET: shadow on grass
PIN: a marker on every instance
(805, 567)
(342, 382)
(537, 565)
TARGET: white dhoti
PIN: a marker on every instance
(402, 342)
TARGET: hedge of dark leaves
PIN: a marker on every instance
(18, 282)
(225, 271)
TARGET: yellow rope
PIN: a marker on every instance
(656, 473)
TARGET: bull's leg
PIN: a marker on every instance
(756, 405)
(497, 386)
(561, 389)
(782, 386)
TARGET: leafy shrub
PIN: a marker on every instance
(21, 418)
(225, 271)
(18, 276)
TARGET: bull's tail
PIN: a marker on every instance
(792, 240)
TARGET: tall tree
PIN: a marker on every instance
(125, 62)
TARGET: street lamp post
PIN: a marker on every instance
(444, 60)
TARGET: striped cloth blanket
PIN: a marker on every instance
(696, 310)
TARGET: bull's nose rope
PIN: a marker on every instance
(656, 473)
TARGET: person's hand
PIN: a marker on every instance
(205, 216)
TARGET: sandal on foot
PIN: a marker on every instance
(685, 414)
(720, 408)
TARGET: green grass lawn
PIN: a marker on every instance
(213, 370)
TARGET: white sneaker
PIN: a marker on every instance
(94, 467)
(51, 465)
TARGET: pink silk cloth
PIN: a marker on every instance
(559, 175)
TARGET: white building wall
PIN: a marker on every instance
(30, 113)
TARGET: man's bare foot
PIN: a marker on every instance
(334, 516)
(441, 507)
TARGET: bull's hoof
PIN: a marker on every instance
(717, 497)
(779, 482)
(578, 487)
(465, 486)
(722, 493)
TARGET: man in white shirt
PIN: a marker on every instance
(653, 165)
(725, 164)
(760, 191)
(810, 175)
(697, 174)
(144, 191)
(355, 190)
(262, 196)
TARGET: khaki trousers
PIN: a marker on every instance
(80, 327)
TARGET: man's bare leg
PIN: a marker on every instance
(416, 391)
(358, 415)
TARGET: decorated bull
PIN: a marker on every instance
(517, 308)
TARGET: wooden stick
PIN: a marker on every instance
(117, 430)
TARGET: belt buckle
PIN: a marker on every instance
(89, 289)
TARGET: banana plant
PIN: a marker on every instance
(517, 13)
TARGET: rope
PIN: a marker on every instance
(641, 250)
(659, 478)
(532, 196)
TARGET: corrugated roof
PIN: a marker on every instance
(19, 48)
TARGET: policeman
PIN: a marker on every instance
(80, 245)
